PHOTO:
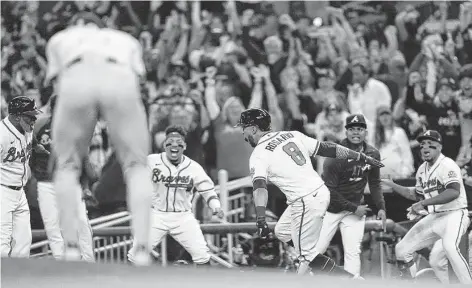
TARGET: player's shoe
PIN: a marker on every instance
(358, 277)
(141, 258)
(72, 253)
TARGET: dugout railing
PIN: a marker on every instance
(112, 243)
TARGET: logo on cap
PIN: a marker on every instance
(354, 119)
(427, 133)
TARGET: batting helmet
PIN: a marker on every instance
(85, 17)
(255, 117)
(22, 105)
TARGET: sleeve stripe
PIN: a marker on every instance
(316, 149)
(451, 181)
(206, 190)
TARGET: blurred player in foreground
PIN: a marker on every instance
(440, 187)
(98, 73)
(283, 158)
(346, 179)
(16, 144)
(176, 178)
(40, 167)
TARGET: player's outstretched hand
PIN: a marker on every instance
(362, 210)
(219, 213)
(371, 161)
(262, 228)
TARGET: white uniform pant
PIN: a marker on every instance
(50, 214)
(16, 226)
(443, 230)
(352, 232)
(184, 228)
(301, 222)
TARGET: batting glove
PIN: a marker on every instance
(369, 160)
(262, 228)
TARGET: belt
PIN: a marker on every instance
(17, 188)
(80, 59)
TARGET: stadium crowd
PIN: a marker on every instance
(406, 68)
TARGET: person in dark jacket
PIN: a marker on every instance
(346, 180)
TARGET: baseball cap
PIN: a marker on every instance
(355, 120)
(430, 135)
(23, 105)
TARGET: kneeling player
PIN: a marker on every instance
(175, 178)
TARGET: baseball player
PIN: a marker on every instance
(440, 187)
(346, 179)
(40, 166)
(283, 158)
(16, 145)
(176, 178)
(98, 73)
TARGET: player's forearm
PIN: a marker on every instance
(446, 196)
(332, 150)
(406, 192)
(260, 201)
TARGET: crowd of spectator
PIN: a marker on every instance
(406, 67)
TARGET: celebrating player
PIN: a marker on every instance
(40, 164)
(176, 178)
(98, 73)
(283, 158)
(15, 149)
(439, 184)
(346, 179)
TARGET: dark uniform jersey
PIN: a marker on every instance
(39, 162)
(346, 179)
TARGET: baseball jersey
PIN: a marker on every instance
(15, 150)
(95, 43)
(432, 182)
(283, 158)
(174, 186)
(346, 179)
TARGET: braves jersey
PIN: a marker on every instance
(283, 158)
(94, 43)
(15, 150)
(174, 186)
(431, 181)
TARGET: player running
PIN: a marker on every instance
(176, 178)
(439, 184)
(346, 179)
(283, 158)
(40, 166)
(98, 74)
(16, 144)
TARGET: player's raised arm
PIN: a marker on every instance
(205, 186)
(332, 150)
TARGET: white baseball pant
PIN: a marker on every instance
(301, 222)
(446, 228)
(92, 88)
(50, 214)
(184, 228)
(352, 232)
(16, 226)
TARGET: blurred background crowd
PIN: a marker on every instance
(407, 66)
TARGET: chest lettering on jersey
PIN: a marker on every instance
(358, 172)
(172, 181)
(431, 185)
(13, 154)
(277, 141)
